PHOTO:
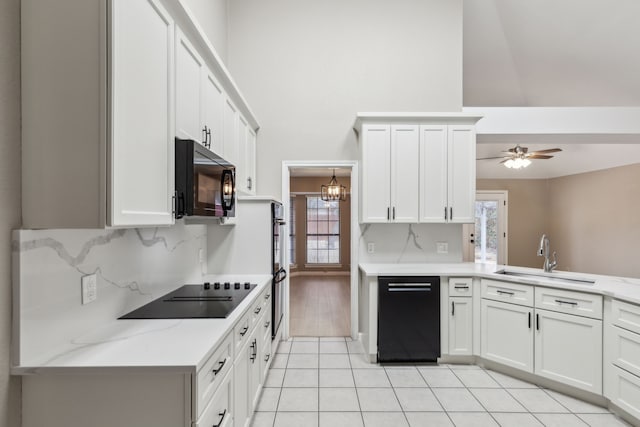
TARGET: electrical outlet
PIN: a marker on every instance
(442, 247)
(89, 288)
(371, 247)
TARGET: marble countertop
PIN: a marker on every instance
(622, 288)
(148, 345)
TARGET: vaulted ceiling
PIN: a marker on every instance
(551, 52)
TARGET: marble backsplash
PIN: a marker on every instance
(133, 266)
(410, 243)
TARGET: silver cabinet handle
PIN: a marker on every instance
(461, 286)
(505, 292)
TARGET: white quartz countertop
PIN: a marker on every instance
(146, 345)
(626, 289)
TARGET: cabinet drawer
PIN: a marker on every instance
(625, 349)
(578, 303)
(513, 293)
(258, 307)
(218, 412)
(625, 315)
(242, 330)
(211, 374)
(625, 391)
(460, 287)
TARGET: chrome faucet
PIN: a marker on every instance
(543, 250)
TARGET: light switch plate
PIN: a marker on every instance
(89, 288)
(442, 247)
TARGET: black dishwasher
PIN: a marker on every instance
(408, 318)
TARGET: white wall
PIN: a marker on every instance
(306, 67)
(10, 209)
(212, 17)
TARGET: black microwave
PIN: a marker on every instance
(205, 182)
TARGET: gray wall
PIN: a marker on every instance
(9, 195)
(212, 17)
(306, 67)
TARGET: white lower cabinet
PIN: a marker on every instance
(568, 349)
(507, 334)
(218, 412)
(460, 326)
(550, 343)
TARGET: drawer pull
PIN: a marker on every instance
(221, 365)
(244, 331)
(267, 296)
(559, 301)
(461, 286)
(266, 325)
(254, 353)
(257, 310)
(222, 415)
(505, 292)
(266, 358)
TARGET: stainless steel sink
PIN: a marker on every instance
(548, 278)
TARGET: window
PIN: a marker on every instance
(292, 231)
(323, 231)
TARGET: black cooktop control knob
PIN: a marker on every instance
(247, 285)
(227, 285)
(207, 285)
(216, 285)
(236, 285)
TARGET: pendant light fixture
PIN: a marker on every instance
(333, 191)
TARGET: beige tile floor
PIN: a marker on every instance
(325, 382)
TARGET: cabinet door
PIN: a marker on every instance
(405, 164)
(569, 349)
(189, 66)
(507, 334)
(213, 102)
(460, 326)
(241, 410)
(255, 379)
(376, 173)
(250, 162)
(461, 164)
(433, 173)
(241, 167)
(142, 115)
(230, 132)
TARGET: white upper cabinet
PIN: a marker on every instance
(376, 173)
(189, 70)
(230, 132)
(405, 145)
(245, 165)
(250, 162)
(417, 167)
(142, 127)
(213, 101)
(447, 173)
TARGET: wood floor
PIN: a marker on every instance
(320, 306)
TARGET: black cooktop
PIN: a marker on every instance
(209, 300)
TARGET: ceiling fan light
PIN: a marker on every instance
(525, 162)
(510, 163)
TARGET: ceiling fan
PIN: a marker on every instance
(518, 156)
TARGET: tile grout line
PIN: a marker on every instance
(475, 397)
(434, 395)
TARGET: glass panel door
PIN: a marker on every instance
(486, 241)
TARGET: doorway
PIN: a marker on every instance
(486, 240)
(321, 257)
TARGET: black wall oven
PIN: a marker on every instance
(205, 182)
(278, 272)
